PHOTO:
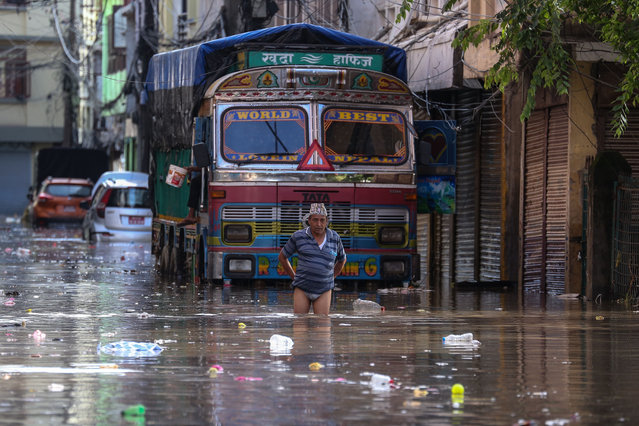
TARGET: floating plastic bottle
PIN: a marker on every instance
(380, 382)
(460, 339)
(368, 306)
(134, 411)
(125, 348)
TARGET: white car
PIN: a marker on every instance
(120, 210)
(117, 175)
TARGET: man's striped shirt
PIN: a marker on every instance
(315, 266)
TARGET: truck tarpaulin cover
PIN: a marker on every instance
(177, 80)
(72, 163)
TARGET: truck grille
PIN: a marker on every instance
(343, 218)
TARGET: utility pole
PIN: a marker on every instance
(69, 83)
(147, 47)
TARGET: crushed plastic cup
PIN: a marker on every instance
(380, 382)
(280, 345)
(465, 339)
(125, 348)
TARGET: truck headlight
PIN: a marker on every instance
(392, 235)
(240, 266)
(237, 234)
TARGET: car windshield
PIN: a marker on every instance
(67, 190)
(130, 197)
(364, 136)
(264, 134)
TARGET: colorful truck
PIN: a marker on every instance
(278, 119)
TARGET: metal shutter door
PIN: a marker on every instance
(557, 200)
(534, 186)
(15, 178)
(628, 143)
(466, 189)
(490, 209)
(545, 200)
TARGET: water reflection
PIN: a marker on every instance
(547, 361)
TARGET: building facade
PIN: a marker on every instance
(32, 78)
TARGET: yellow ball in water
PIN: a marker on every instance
(457, 389)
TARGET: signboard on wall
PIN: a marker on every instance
(436, 194)
(436, 179)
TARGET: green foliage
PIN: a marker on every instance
(531, 40)
(403, 10)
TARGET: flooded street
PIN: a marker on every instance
(65, 303)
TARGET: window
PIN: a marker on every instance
(130, 197)
(364, 136)
(68, 190)
(16, 75)
(264, 134)
(116, 24)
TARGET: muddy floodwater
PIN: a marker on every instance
(65, 303)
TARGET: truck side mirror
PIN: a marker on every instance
(201, 157)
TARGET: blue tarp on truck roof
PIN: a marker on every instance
(177, 80)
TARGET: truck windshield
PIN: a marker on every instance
(364, 136)
(264, 134)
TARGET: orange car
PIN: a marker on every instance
(59, 200)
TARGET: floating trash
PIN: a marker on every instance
(465, 339)
(131, 349)
(366, 306)
(380, 382)
(280, 345)
(247, 379)
(55, 387)
(315, 366)
(134, 411)
(38, 336)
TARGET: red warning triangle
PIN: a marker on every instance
(314, 159)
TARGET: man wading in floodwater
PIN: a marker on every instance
(321, 258)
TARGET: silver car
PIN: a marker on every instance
(120, 210)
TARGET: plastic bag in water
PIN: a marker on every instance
(131, 349)
(280, 345)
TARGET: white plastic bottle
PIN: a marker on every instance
(380, 382)
(458, 338)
